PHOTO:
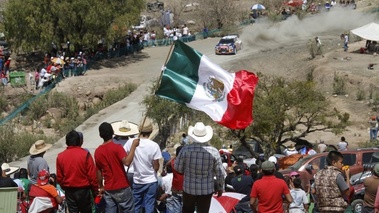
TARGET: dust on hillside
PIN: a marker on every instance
(283, 52)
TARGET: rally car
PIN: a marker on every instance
(228, 45)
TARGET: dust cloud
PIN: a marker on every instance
(334, 22)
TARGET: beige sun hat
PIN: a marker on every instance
(9, 169)
(147, 125)
(200, 133)
(124, 128)
(38, 147)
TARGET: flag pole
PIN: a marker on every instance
(155, 89)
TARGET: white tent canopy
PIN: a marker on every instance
(368, 31)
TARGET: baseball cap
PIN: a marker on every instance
(294, 174)
(43, 177)
(268, 166)
(273, 159)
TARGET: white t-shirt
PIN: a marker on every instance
(288, 152)
(145, 154)
(299, 199)
(342, 145)
(167, 183)
(185, 30)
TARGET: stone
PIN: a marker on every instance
(88, 93)
(55, 113)
(96, 101)
(81, 106)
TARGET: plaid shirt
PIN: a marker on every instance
(200, 163)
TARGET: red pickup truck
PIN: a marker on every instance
(309, 165)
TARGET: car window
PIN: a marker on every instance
(226, 41)
(370, 157)
(366, 157)
(318, 163)
(349, 159)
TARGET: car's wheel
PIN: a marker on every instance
(357, 205)
(235, 50)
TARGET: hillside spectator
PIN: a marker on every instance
(146, 165)
(7, 67)
(146, 38)
(290, 150)
(242, 184)
(166, 186)
(373, 128)
(185, 30)
(321, 146)
(36, 162)
(371, 187)
(110, 159)
(200, 163)
(76, 174)
(4, 78)
(342, 145)
(300, 198)
(153, 37)
(318, 46)
(330, 185)
(184, 139)
(6, 181)
(46, 194)
(269, 200)
(176, 200)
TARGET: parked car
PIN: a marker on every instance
(228, 45)
(155, 6)
(309, 165)
(146, 22)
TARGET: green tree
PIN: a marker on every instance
(34, 24)
(286, 111)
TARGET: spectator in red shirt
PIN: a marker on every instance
(76, 173)
(110, 159)
(176, 199)
(269, 201)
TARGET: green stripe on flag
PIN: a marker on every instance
(180, 77)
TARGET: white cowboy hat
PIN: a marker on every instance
(124, 128)
(200, 133)
(38, 147)
(9, 169)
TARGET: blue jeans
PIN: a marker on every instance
(373, 133)
(144, 196)
(174, 203)
(119, 200)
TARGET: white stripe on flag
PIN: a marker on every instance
(201, 99)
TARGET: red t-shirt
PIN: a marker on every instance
(269, 191)
(76, 168)
(177, 180)
(108, 158)
(48, 68)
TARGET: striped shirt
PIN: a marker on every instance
(200, 163)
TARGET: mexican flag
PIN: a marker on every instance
(191, 78)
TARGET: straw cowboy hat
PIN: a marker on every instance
(38, 147)
(291, 147)
(200, 133)
(9, 169)
(146, 125)
(124, 128)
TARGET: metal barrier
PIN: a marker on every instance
(8, 199)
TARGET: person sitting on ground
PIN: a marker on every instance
(44, 196)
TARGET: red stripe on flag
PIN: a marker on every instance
(239, 113)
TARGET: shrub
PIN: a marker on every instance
(339, 84)
(38, 108)
(360, 94)
(16, 145)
